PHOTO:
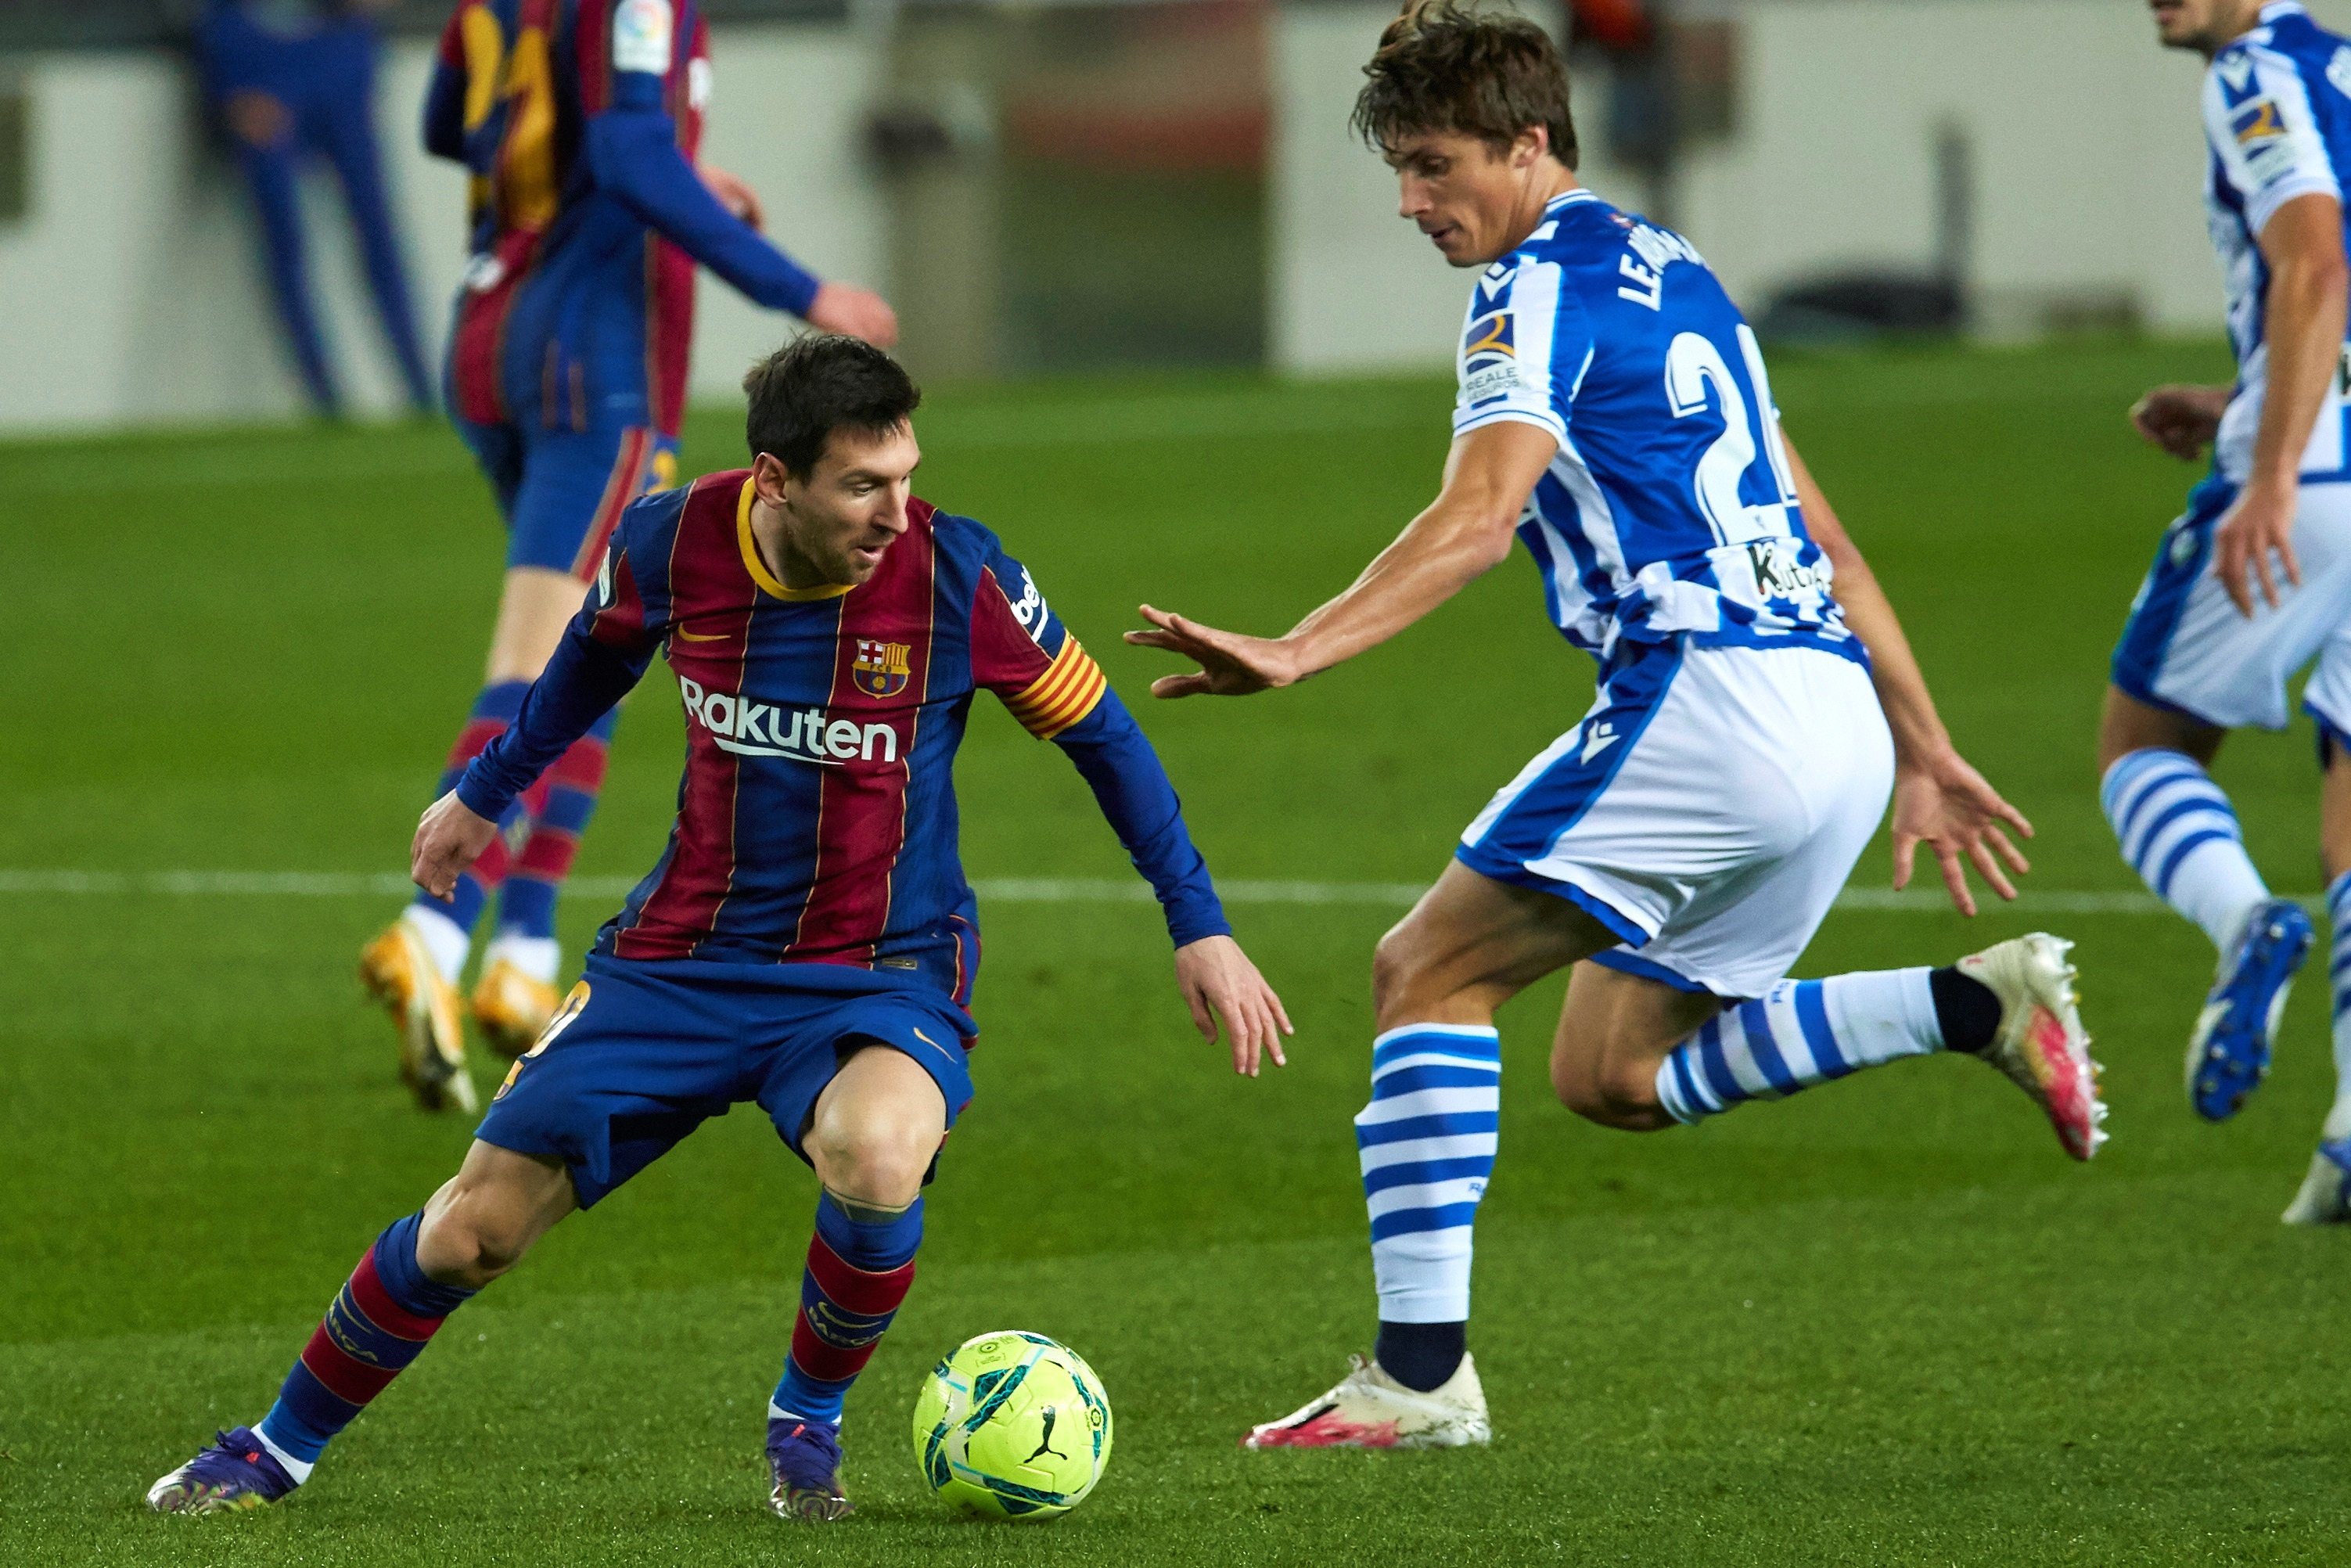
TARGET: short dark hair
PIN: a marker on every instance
(819, 383)
(1443, 67)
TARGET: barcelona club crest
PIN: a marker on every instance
(881, 669)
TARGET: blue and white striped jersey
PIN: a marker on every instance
(1670, 508)
(2277, 113)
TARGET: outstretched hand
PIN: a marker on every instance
(450, 838)
(1219, 982)
(1231, 665)
(1946, 805)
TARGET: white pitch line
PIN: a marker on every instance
(996, 890)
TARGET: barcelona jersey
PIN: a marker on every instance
(578, 121)
(816, 818)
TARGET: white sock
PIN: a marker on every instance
(2181, 834)
(443, 938)
(2338, 914)
(538, 956)
(1426, 1145)
(1799, 1033)
(298, 1468)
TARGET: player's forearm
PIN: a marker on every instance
(579, 685)
(1910, 707)
(1117, 762)
(1441, 552)
(2304, 325)
(635, 154)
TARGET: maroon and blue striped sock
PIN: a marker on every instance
(377, 1324)
(493, 709)
(527, 902)
(859, 1271)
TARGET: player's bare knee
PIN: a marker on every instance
(466, 1242)
(877, 1159)
(880, 1168)
(1609, 1092)
(1398, 972)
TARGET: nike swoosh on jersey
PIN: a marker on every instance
(701, 636)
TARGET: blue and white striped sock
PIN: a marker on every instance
(1799, 1033)
(1426, 1142)
(2339, 976)
(2181, 834)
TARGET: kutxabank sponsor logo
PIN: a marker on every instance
(749, 727)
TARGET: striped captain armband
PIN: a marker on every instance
(1063, 694)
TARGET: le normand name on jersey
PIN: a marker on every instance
(752, 728)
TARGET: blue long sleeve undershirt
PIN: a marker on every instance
(633, 152)
(1116, 759)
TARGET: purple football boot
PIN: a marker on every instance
(236, 1472)
(805, 1457)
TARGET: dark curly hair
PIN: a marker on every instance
(1443, 67)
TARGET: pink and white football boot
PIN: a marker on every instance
(2041, 1043)
(1369, 1409)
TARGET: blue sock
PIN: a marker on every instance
(493, 709)
(377, 1324)
(858, 1272)
(527, 902)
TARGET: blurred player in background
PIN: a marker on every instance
(296, 78)
(2254, 581)
(579, 120)
(1679, 847)
(806, 941)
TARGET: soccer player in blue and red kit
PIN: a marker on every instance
(806, 942)
(580, 121)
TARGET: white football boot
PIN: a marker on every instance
(2325, 1195)
(2040, 1044)
(1369, 1409)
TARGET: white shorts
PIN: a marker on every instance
(2186, 648)
(1708, 810)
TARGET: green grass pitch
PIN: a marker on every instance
(1886, 1322)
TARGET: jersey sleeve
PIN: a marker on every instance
(1524, 347)
(1022, 653)
(633, 153)
(2263, 133)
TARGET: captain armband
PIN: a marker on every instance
(1068, 691)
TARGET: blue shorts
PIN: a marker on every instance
(642, 1053)
(562, 491)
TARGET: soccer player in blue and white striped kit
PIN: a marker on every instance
(2203, 653)
(1756, 706)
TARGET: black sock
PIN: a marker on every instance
(1966, 1008)
(1420, 1355)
